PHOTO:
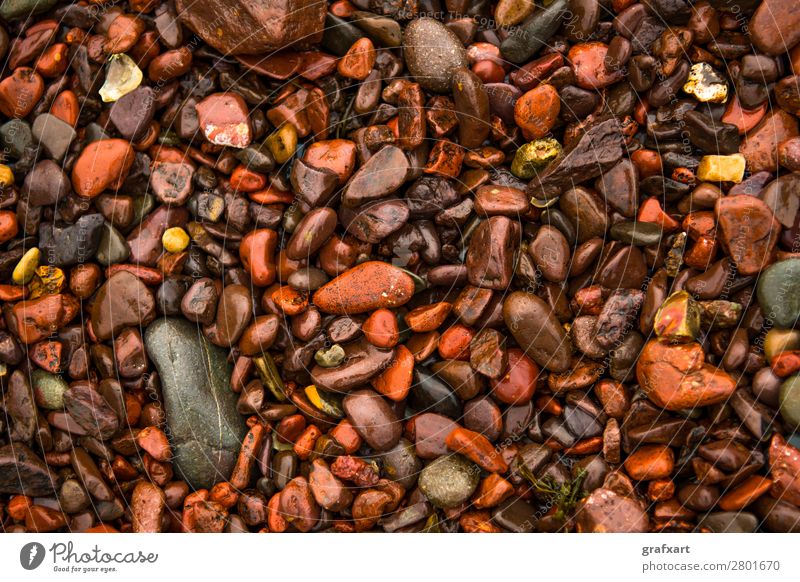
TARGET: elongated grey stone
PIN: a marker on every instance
(204, 428)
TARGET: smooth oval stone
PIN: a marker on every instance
(432, 53)
(619, 186)
(472, 108)
(382, 175)
(48, 389)
(779, 293)
(449, 481)
(586, 212)
(365, 287)
(362, 361)
(373, 419)
(311, 233)
(550, 253)
(122, 301)
(527, 38)
(537, 331)
(205, 428)
(234, 312)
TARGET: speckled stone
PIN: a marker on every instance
(449, 481)
(433, 53)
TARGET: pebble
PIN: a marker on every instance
(54, 135)
(122, 301)
(537, 331)
(380, 176)
(132, 114)
(449, 481)
(748, 231)
(103, 164)
(716, 168)
(223, 118)
(676, 376)
(526, 39)
(779, 293)
(775, 26)
(122, 77)
(790, 401)
(606, 511)
(244, 28)
(48, 389)
(598, 149)
(373, 419)
(432, 53)
(112, 248)
(68, 245)
(22, 472)
(205, 436)
(366, 287)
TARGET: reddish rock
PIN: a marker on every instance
(784, 466)
(650, 462)
(251, 27)
(760, 147)
(39, 318)
(537, 110)
(20, 92)
(588, 62)
(606, 511)
(676, 376)
(748, 232)
(224, 121)
(395, 381)
(476, 447)
(103, 164)
(365, 287)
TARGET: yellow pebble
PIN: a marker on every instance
(706, 84)
(533, 156)
(721, 168)
(175, 239)
(283, 143)
(6, 176)
(26, 268)
(48, 280)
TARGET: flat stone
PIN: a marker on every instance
(22, 472)
(253, 27)
(53, 134)
(205, 428)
